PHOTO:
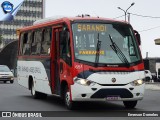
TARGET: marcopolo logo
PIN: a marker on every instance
(7, 7)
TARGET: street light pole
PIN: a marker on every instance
(125, 11)
(129, 17)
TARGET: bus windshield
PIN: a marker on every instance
(105, 43)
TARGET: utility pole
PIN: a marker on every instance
(129, 17)
(125, 11)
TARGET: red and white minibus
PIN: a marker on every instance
(81, 59)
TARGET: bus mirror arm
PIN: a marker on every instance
(138, 37)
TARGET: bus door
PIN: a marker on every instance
(55, 64)
(61, 58)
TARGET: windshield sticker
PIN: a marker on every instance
(91, 27)
(90, 52)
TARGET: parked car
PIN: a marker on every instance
(148, 75)
(6, 74)
(154, 77)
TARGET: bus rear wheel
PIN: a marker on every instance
(130, 104)
(37, 95)
(68, 103)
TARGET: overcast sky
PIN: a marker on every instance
(108, 9)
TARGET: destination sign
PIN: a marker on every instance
(92, 27)
(90, 52)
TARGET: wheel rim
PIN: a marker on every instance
(33, 89)
(67, 99)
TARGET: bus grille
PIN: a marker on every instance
(103, 93)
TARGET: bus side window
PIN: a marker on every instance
(36, 42)
(21, 43)
(46, 41)
(25, 45)
(33, 44)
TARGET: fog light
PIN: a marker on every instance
(94, 89)
(83, 95)
(131, 88)
(137, 94)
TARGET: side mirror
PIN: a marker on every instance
(138, 37)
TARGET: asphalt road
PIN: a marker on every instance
(14, 97)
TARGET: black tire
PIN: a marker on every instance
(43, 95)
(5, 81)
(37, 95)
(68, 103)
(130, 104)
(148, 79)
(12, 81)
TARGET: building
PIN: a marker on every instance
(157, 42)
(152, 64)
(30, 11)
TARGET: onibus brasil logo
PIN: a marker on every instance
(7, 7)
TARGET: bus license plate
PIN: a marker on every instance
(112, 97)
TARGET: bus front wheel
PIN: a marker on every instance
(68, 103)
(130, 104)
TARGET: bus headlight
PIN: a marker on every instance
(84, 82)
(137, 82)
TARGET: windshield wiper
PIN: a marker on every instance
(118, 51)
(97, 51)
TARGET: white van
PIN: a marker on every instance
(148, 75)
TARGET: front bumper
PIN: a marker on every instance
(6, 79)
(101, 93)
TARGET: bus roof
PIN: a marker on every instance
(60, 19)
